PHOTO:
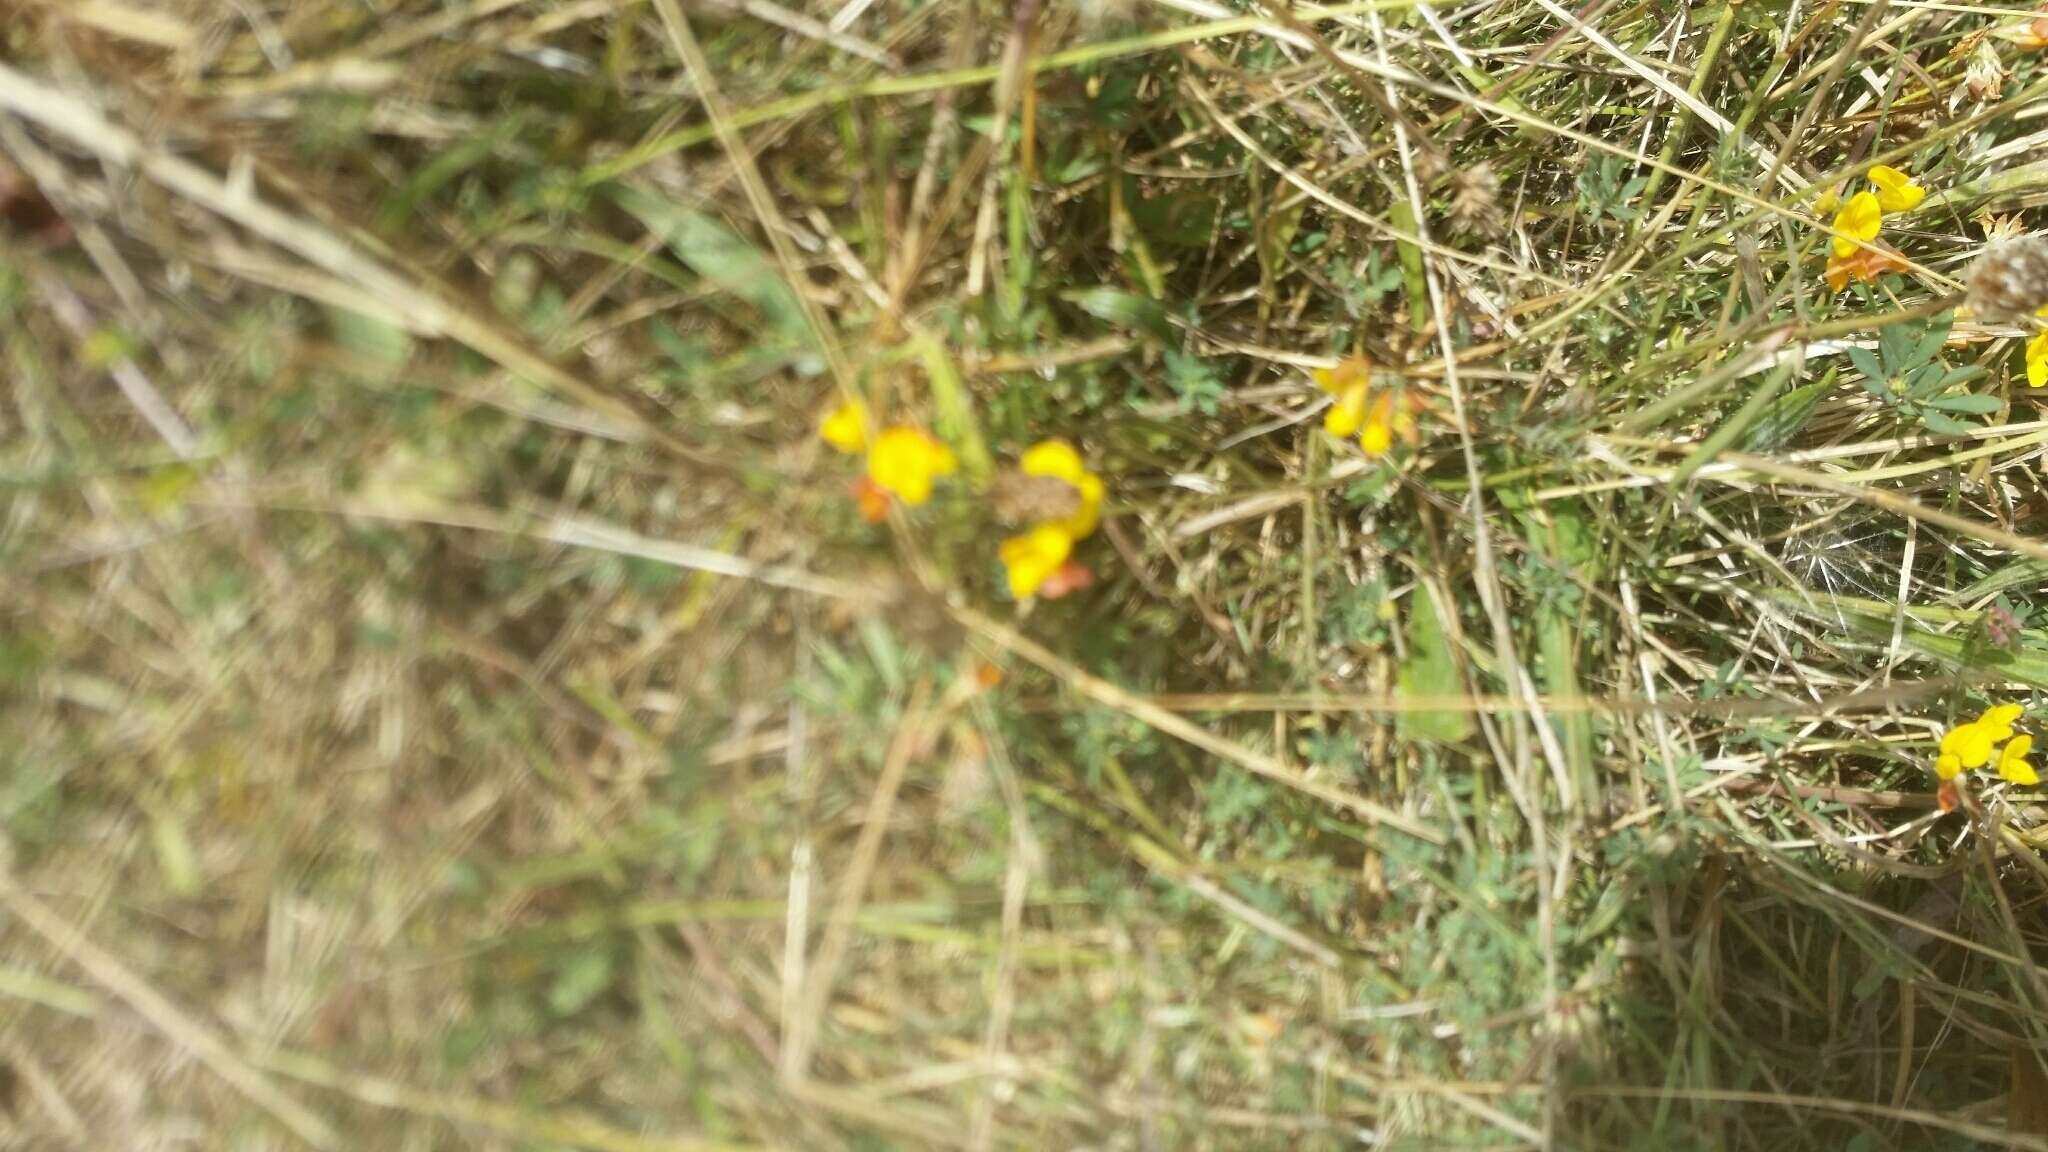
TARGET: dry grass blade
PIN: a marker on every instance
(459, 634)
(1103, 692)
(428, 311)
(581, 1132)
(169, 1021)
(913, 733)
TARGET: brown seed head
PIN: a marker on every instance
(2010, 280)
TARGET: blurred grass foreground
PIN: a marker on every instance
(630, 575)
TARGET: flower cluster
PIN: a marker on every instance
(1376, 418)
(1975, 744)
(1038, 560)
(902, 461)
(1855, 254)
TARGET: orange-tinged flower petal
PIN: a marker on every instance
(1071, 578)
(1031, 559)
(1859, 219)
(1896, 191)
(846, 427)
(1348, 373)
(1948, 796)
(1864, 265)
(873, 502)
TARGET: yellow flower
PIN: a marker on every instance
(846, 427)
(2037, 355)
(1348, 373)
(1997, 720)
(1967, 745)
(1377, 439)
(1059, 460)
(1343, 418)
(1864, 264)
(904, 461)
(1348, 382)
(1859, 219)
(1828, 200)
(1032, 558)
(1947, 767)
(1896, 191)
(2012, 762)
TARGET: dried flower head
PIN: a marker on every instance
(2010, 280)
(1475, 198)
(1985, 79)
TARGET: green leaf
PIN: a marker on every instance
(1568, 542)
(1785, 416)
(1868, 365)
(1894, 346)
(2026, 665)
(1126, 310)
(378, 345)
(1194, 381)
(1966, 403)
(722, 257)
(1752, 410)
(582, 977)
(953, 407)
(1430, 672)
(1928, 350)
(2018, 574)
(1403, 217)
(1945, 425)
(174, 855)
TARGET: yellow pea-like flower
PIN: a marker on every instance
(2013, 765)
(1859, 219)
(2037, 361)
(904, 461)
(1031, 558)
(1968, 744)
(1347, 415)
(1059, 460)
(1997, 720)
(846, 427)
(1896, 191)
